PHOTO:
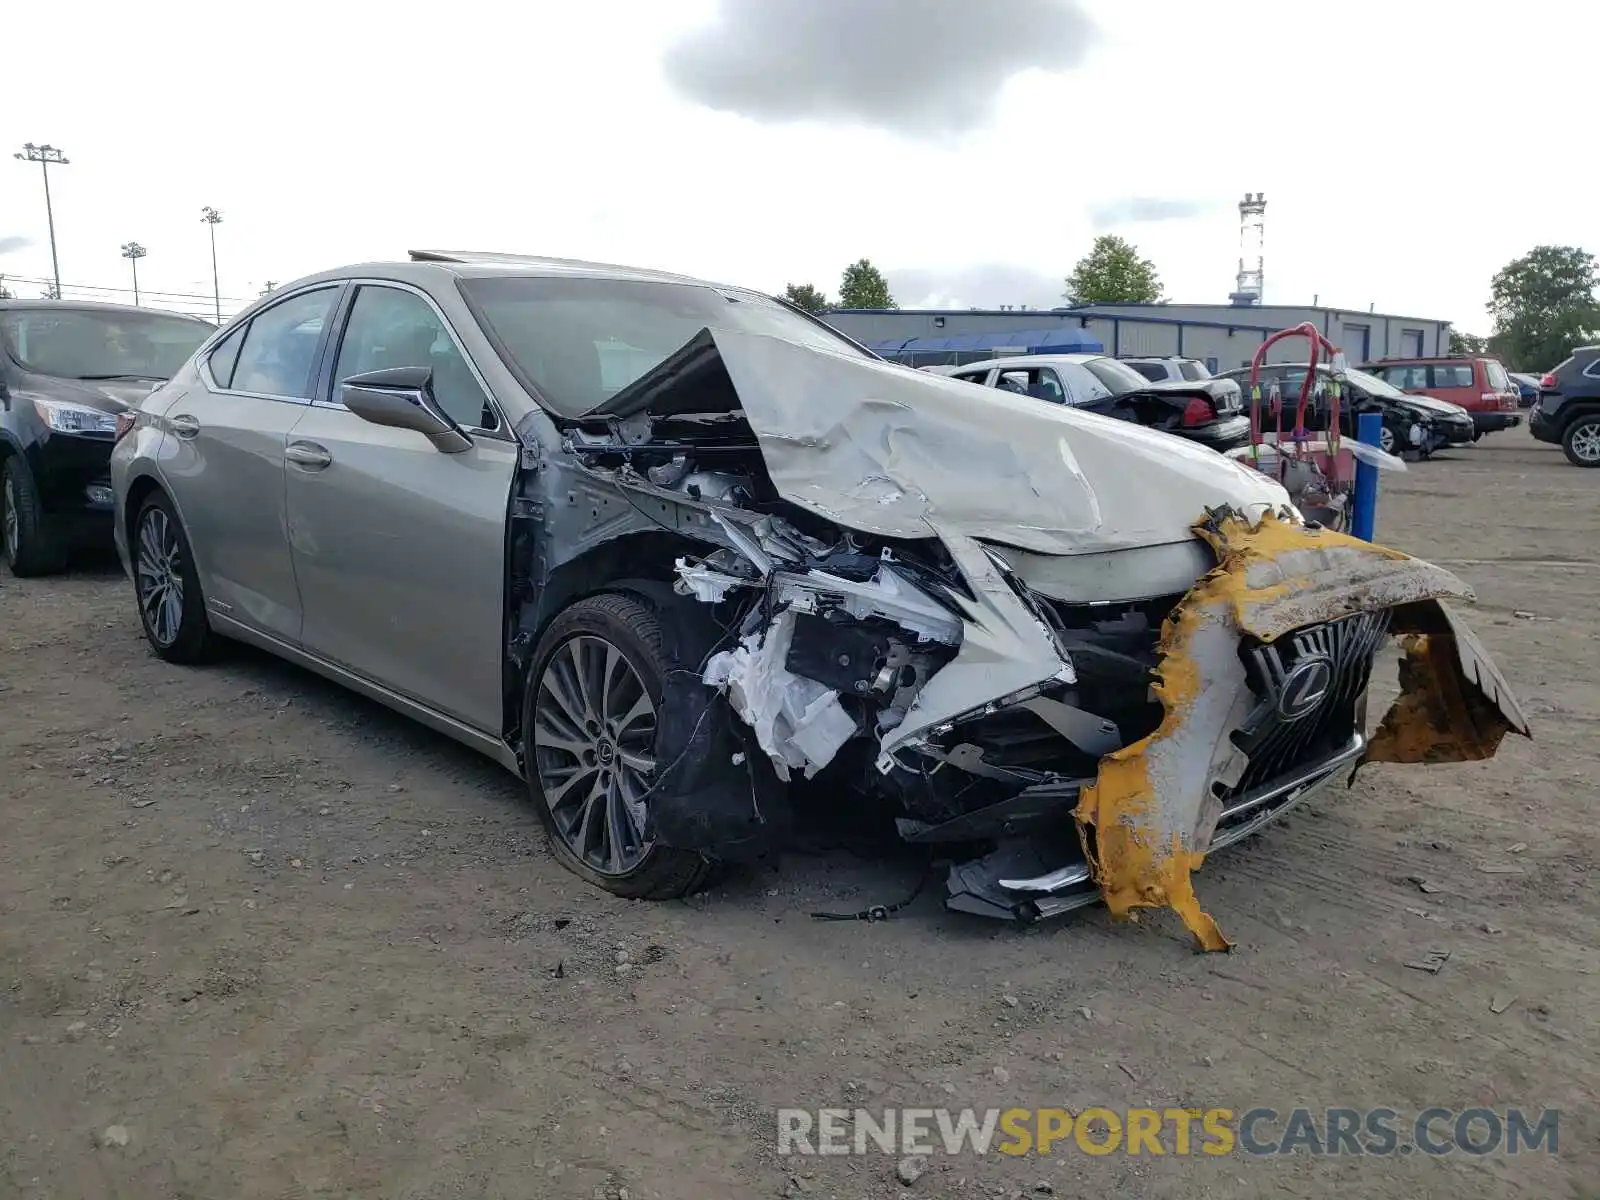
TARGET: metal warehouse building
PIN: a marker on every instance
(1223, 336)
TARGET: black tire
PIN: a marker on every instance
(1581, 441)
(31, 542)
(594, 777)
(181, 635)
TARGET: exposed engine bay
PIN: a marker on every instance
(1075, 672)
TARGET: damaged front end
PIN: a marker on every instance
(987, 618)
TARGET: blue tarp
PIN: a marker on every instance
(1061, 339)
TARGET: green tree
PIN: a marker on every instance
(1113, 273)
(1467, 345)
(863, 286)
(1544, 305)
(803, 295)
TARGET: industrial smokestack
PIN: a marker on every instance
(1252, 236)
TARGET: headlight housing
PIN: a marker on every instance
(74, 418)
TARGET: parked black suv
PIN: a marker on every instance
(67, 369)
(1568, 409)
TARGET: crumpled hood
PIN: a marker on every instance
(896, 452)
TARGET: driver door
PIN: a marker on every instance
(400, 549)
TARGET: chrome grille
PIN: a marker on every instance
(1308, 686)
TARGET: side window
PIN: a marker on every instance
(280, 346)
(1013, 381)
(1406, 377)
(1498, 379)
(223, 357)
(388, 328)
(1456, 375)
(1049, 387)
(973, 376)
(1154, 372)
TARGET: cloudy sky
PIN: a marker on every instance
(972, 150)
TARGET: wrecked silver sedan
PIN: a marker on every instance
(663, 547)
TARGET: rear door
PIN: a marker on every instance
(223, 458)
(399, 548)
(1458, 383)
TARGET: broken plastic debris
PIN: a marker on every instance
(797, 721)
(704, 583)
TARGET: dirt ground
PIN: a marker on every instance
(262, 939)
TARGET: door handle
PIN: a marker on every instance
(308, 455)
(185, 426)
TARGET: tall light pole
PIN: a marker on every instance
(46, 157)
(213, 218)
(133, 252)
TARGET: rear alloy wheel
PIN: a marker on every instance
(1581, 441)
(171, 608)
(590, 728)
(31, 545)
(1387, 441)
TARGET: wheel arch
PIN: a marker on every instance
(140, 488)
(1576, 409)
(639, 563)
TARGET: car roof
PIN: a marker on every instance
(1030, 360)
(93, 306)
(474, 264)
(1431, 358)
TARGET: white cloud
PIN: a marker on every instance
(930, 68)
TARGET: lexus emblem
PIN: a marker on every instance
(1304, 688)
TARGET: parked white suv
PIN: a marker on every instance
(1158, 369)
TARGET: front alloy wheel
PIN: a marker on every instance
(172, 609)
(1386, 440)
(8, 516)
(594, 732)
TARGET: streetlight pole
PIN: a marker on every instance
(46, 156)
(133, 252)
(213, 218)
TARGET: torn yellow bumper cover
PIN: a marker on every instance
(1147, 820)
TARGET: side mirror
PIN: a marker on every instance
(402, 398)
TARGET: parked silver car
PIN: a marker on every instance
(660, 546)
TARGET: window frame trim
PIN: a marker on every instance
(337, 286)
(323, 392)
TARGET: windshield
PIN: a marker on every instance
(581, 341)
(1117, 376)
(106, 344)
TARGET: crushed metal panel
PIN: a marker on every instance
(1290, 576)
(1143, 818)
(896, 453)
(1005, 648)
(1146, 821)
(1454, 706)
